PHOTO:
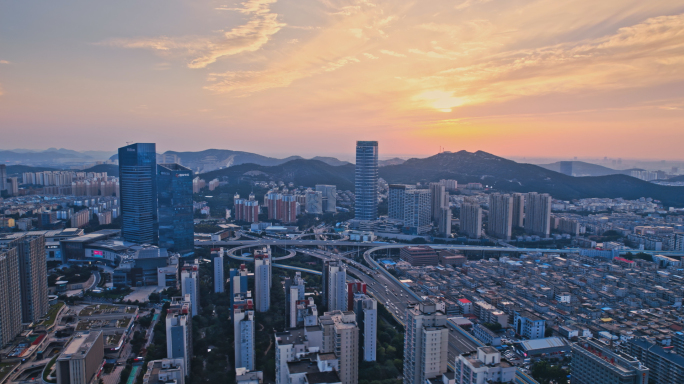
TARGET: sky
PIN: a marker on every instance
(537, 78)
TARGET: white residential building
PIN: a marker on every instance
(426, 343)
(262, 281)
(482, 367)
(243, 327)
(366, 309)
(219, 273)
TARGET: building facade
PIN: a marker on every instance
(138, 189)
(262, 281)
(538, 214)
(426, 343)
(174, 197)
(329, 195)
(395, 200)
(471, 218)
(594, 362)
(366, 180)
(500, 222)
(335, 286)
(219, 274)
(417, 211)
(366, 310)
(243, 326)
(10, 299)
(81, 359)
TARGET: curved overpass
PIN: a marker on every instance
(231, 253)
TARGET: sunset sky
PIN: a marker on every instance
(549, 78)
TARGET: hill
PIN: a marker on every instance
(507, 175)
(392, 161)
(301, 172)
(676, 178)
(580, 168)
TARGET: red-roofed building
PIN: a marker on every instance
(466, 306)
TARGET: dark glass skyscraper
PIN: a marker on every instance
(138, 193)
(174, 188)
(366, 180)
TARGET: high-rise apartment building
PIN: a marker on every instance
(538, 214)
(664, 365)
(444, 223)
(500, 223)
(12, 186)
(366, 310)
(179, 335)
(190, 285)
(10, 299)
(329, 194)
(396, 199)
(138, 189)
(262, 280)
(417, 211)
(335, 286)
(238, 283)
(471, 218)
(518, 210)
(594, 362)
(426, 343)
(341, 337)
(288, 212)
(294, 293)
(439, 199)
(243, 327)
(174, 197)
(81, 359)
(366, 180)
(3, 178)
(450, 185)
(219, 273)
(32, 276)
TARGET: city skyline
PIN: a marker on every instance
(455, 75)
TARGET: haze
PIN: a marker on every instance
(514, 78)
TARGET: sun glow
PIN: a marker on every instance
(442, 101)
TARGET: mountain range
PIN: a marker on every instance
(465, 167)
(51, 157)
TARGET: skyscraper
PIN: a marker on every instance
(219, 275)
(32, 276)
(335, 286)
(444, 224)
(366, 180)
(3, 178)
(500, 216)
(138, 189)
(395, 200)
(243, 328)
(329, 193)
(538, 214)
(518, 210)
(366, 309)
(417, 211)
(176, 226)
(262, 280)
(471, 218)
(439, 199)
(426, 343)
(10, 299)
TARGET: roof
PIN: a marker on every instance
(548, 342)
(465, 301)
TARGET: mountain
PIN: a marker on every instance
(301, 172)
(499, 173)
(580, 168)
(507, 175)
(331, 160)
(392, 161)
(51, 157)
(676, 178)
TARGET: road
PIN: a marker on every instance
(506, 249)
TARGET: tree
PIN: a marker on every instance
(548, 332)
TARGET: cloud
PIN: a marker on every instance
(391, 53)
(642, 55)
(370, 56)
(203, 51)
(4, 62)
